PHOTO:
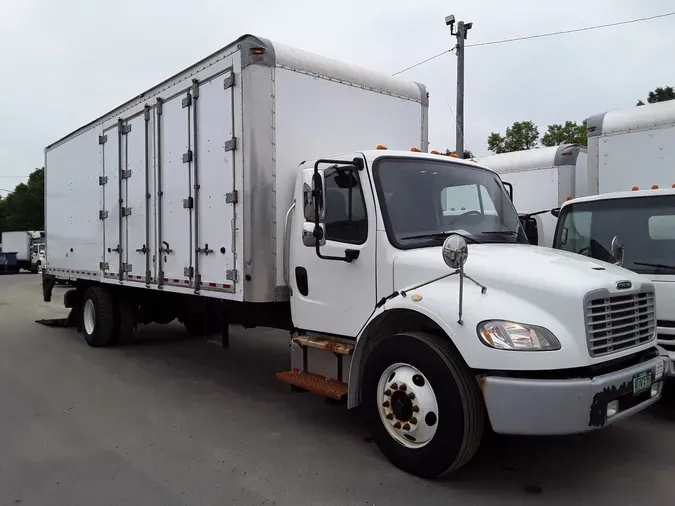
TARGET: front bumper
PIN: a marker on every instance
(568, 406)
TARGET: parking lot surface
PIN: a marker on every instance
(167, 420)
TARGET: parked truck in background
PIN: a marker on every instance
(215, 198)
(631, 175)
(28, 246)
(542, 178)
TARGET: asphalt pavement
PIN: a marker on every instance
(167, 420)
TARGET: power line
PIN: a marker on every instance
(538, 36)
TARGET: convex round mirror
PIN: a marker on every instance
(455, 251)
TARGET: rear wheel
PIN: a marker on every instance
(98, 317)
(423, 404)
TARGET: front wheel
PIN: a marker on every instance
(423, 404)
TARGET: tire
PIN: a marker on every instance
(125, 321)
(432, 372)
(99, 330)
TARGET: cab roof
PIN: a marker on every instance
(622, 195)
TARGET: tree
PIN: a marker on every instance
(521, 135)
(467, 154)
(659, 95)
(23, 209)
(569, 133)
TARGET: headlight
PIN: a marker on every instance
(504, 335)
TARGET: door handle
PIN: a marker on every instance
(166, 250)
(143, 250)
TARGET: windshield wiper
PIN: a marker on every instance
(658, 266)
(438, 235)
(500, 232)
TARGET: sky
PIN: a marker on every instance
(67, 62)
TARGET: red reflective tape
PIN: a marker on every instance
(166, 280)
(213, 284)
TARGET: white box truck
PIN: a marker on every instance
(542, 178)
(631, 173)
(213, 198)
(25, 244)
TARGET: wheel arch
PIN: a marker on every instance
(386, 324)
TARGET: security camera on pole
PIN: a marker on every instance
(460, 32)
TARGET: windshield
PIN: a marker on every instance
(646, 225)
(425, 200)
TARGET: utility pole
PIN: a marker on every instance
(460, 32)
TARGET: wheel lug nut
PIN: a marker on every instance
(406, 426)
(385, 404)
(411, 395)
(413, 420)
(394, 386)
(390, 416)
(416, 409)
(387, 392)
(403, 387)
(397, 425)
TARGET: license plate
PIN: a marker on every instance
(641, 382)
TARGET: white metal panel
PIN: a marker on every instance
(520, 160)
(135, 187)
(533, 191)
(216, 172)
(111, 196)
(175, 229)
(73, 201)
(646, 116)
(581, 176)
(16, 242)
(642, 159)
(316, 117)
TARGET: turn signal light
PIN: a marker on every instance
(636, 188)
(381, 146)
(416, 150)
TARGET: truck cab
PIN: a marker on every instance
(455, 309)
(645, 222)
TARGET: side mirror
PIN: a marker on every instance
(308, 238)
(312, 192)
(531, 229)
(455, 251)
(509, 189)
(617, 250)
(555, 212)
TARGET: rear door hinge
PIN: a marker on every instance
(187, 156)
(232, 275)
(231, 145)
(188, 203)
(125, 174)
(189, 272)
(232, 197)
(187, 101)
(102, 215)
(103, 266)
(126, 211)
(126, 267)
(102, 139)
(125, 129)
(102, 180)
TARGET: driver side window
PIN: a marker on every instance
(346, 219)
(576, 232)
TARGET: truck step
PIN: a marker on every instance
(327, 387)
(331, 345)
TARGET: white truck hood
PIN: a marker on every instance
(526, 284)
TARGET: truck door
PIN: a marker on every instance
(110, 213)
(334, 296)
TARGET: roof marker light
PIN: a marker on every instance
(569, 197)
(655, 187)
(636, 188)
(416, 150)
(434, 152)
(381, 146)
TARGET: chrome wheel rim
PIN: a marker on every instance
(89, 317)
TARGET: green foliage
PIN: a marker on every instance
(23, 209)
(521, 135)
(659, 95)
(569, 133)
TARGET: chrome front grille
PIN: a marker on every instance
(618, 322)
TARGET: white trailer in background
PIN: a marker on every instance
(631, 172)
(28, 246)
(542, 179)
(215, 198)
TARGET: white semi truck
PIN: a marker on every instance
(542, 178)
(214, 198)
(631, 178)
